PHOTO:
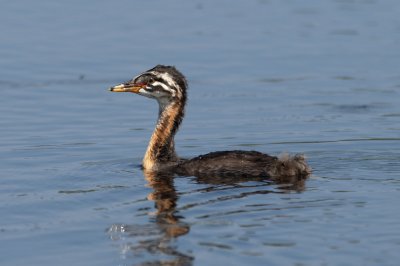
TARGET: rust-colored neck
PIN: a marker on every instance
(161, 148)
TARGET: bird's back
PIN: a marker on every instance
(228, 163)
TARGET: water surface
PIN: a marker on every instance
(319, 78)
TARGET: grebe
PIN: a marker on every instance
(168, 86)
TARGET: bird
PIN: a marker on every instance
(168, 86)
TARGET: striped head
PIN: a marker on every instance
(163, 83)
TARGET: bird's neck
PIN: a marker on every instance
(161, 148)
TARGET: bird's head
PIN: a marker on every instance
(163, 83)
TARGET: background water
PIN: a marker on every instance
(317, 77)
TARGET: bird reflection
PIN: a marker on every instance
(156, 238)
(165, 198)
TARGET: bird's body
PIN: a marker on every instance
(228, 163)
(168, 86)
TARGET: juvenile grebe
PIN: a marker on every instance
(168, 86)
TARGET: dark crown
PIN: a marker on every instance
(174, 83)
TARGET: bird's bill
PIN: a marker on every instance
(127, 88)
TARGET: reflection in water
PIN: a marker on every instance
(156, 238)
(167, 224)
(165, 198)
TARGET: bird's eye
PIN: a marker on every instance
(149, 83)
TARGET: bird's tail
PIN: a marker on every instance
(290, 166)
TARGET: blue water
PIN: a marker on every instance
(315, 77)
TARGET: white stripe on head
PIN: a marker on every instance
(169, 85)
(169, 79)
(165, 87)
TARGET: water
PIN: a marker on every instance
(317, 77)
